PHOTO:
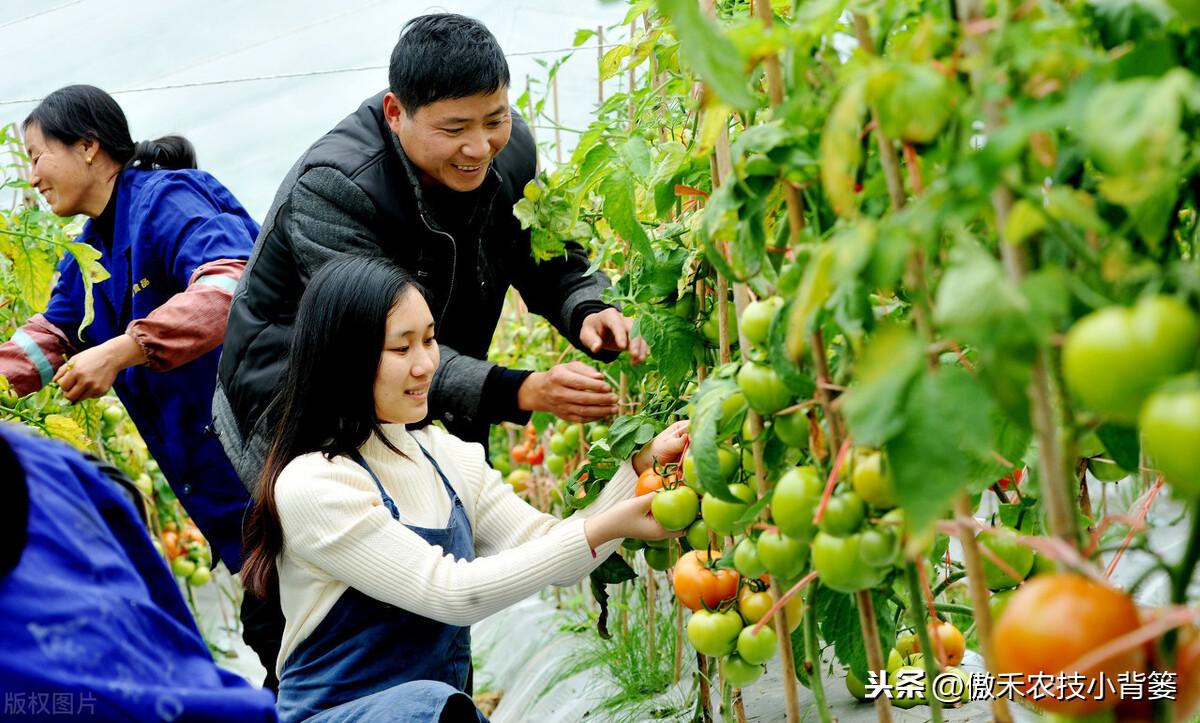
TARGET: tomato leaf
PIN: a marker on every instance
(1121, 443)
(672, 342)
(928, 472)
(837, 614)
(890, 365)
(797, 380)
(612, 571)
(620, 208)
(710, 53)
(705, 421)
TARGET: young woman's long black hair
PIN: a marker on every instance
(326, 402)
(84, 112)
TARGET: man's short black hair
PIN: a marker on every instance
(445, 56)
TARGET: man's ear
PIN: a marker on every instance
(393, 111)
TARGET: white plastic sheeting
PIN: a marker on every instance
(248, 133)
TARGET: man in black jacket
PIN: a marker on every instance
(426, 174)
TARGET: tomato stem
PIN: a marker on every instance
(812, 654)
(931, 659)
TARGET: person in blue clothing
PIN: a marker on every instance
(174, 241)
(388, 539)
(93, 624)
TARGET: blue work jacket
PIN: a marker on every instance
(167, 224)
(93, 625)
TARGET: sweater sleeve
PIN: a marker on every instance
(35, 352)
(333, 520)
(503, 520)
(192, 322)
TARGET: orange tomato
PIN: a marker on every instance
(1054, 620)
(170, 541)
(649, 481)
(536, 455)
(1187, 667)
(520, 453)
(953, 645)
(697, 586)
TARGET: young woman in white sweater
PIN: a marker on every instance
(388, 543)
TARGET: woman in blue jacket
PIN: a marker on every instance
(174, 241)
(93, 626)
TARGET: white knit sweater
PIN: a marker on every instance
(337, 534)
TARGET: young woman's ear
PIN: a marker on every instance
(14, 513)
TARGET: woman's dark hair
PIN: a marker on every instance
(84, 112)
(445, 56)
(326, 402)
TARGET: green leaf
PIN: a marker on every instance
(673, 342)
(837, 614)
(620, 208)
(799, 654)
(581, 37)
(947, 425)
(1122, 444)
(612, 571)
(636, 153)
(977, 304)
(711, 54)
(874, 406)
(705, 421)
(793, 375)
(627, 434)
(91, 272)
(610, 64)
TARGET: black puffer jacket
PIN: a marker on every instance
(354, 192)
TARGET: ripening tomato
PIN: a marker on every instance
(755, 604)
(1002, 542)
(648, 481)
(536, 455)
(871, 481)
(520, 453)
(1056, 619)
(1187, 668)
(953, 646)
(696, 585)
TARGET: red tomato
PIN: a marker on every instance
(536, 455)
(648, 481)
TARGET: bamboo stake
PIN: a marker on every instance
(557, 124)
(632, 78)
(599, 65)
(977, 585)
(705, 696)
(678, 642)
(870, 630)
(651, 603)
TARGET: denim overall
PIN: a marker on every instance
(370, 661)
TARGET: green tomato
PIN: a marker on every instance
(912, 101)
(895, 661)
(915, 690)
(855, 686)
(727, 461)
(871, 482)
(880, 547)
(714, 633)
(839, 564)
(765, 391)
(200, 577)
(998, 603)
(1107, 471)
(502, 464)
(965, 677)
(783, 556)
(759, 648)
(660, 558)
(555, 464)
(1003, 544)
(1114, 357)
(797, 495)
(697, 535)
(571, 435)
(722, 516)
(756, 319)
(733, 405)
(597, 433)
(792, 429)
(739, 673)
(745, 559)
(844, 514)
(711, 330)
(632, 544)
(906, 644)
(676, 509)
(1170, 426)
(144, 484)
(685, 306)
(112, 416)
(558, 444)
(182, 566)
